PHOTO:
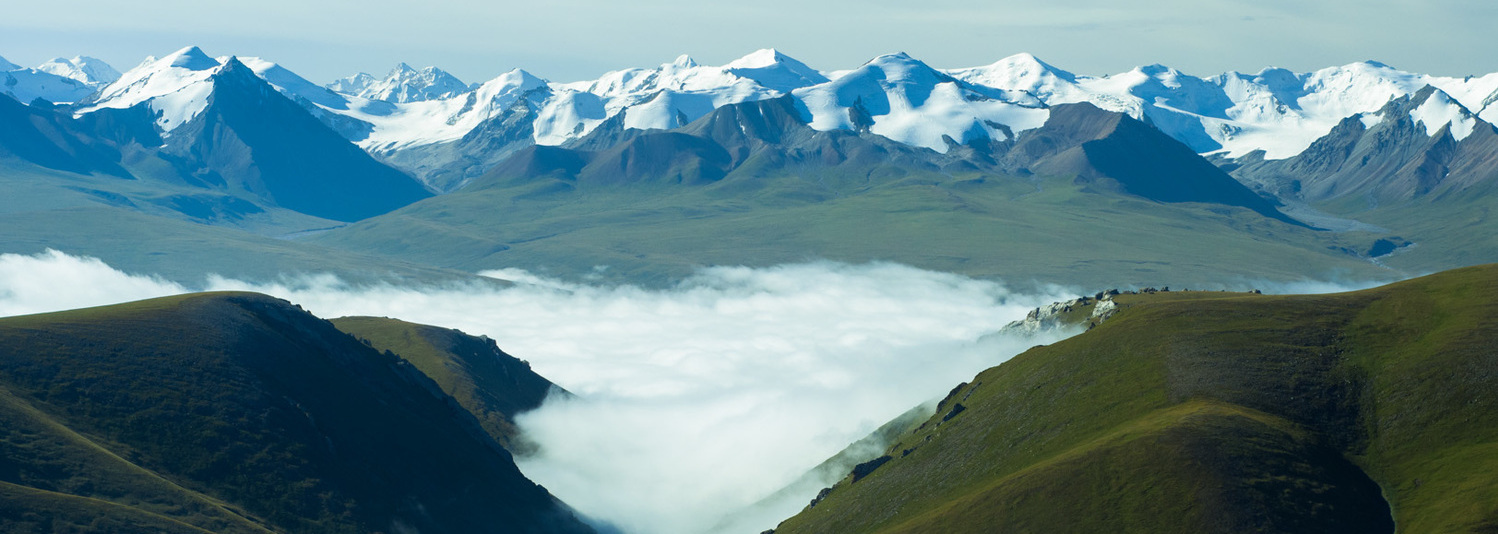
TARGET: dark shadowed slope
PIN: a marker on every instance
(251, 139)
(39, 135)
(1205, 412)
(231, 412)
(492, 385)
(1113, 151)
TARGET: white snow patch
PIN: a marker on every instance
(176, 87)
(910, 102)
(85, 69)
(1438, 111)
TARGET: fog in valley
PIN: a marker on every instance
(695, 401)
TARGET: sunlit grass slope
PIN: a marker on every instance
(237, 412)
(1371, 411)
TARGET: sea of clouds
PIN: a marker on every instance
(694, 402)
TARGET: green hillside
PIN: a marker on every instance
(1210, 412)
(984, 226)
(492, 385)
(237, 412)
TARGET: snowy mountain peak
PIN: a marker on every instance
(758, 59)
(1166, 76)
(1023, 72)
(295, 86)
(190, 58)
(1274, 78)
(774, 70)
(518, 78)
(679, 92)
(232, 66)
(403, 84)
(1156, 69)
(1437, 110)
(906, 100)
(1027, 65)
(82, 68)
(898, 96)
(176, 87)
(53, 83)
(353, 85)
(900, 66)
(503, 91)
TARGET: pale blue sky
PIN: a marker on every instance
(565, 40)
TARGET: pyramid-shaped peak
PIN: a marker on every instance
(401, 68)
(190, 58)
(764, 57)
(1432, 95)
(684, 61)
(1026, 64)
(516, 78)
(774, 70)
(236, 71)
(232, 64)
(524, 76)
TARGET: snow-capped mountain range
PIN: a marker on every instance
(1275, 110)
(403, 85)
(59, 80)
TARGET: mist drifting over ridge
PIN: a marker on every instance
(695, 400)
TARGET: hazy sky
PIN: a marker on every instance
(566, 40)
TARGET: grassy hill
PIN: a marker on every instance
(492, 385)
(1371, 411)
(236, 412)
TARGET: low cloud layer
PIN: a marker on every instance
(695, 401)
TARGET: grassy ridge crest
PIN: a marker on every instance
(1217, 413)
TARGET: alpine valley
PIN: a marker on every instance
(1180, 411)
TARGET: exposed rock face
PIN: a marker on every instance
(1103, 310)
(1050, 317)
(1080, 312)
(1388, 157)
